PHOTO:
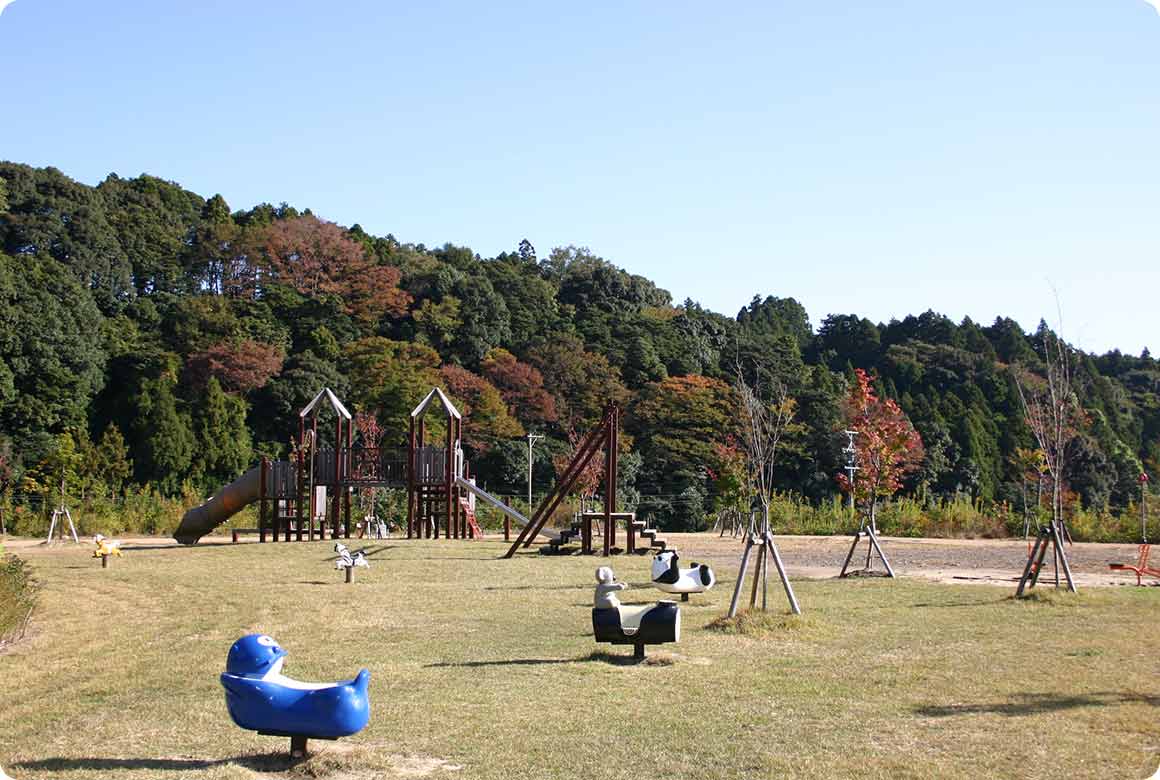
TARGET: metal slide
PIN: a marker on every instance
(501, 506)
(225, 503)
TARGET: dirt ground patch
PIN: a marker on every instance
(963, 561)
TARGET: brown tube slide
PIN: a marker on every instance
(225, 503)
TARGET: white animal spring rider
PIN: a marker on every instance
(617, 624)
(668, 576)
(349, 562)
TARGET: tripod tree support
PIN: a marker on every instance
(56, 525)
(1048, 535)
(872, 547)
(766, 551)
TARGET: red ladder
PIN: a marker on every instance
(473, 528)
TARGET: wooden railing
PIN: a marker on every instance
(379, 466)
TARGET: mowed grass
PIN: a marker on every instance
(486, 668)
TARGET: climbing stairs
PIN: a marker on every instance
(647, 539)
(646, 534)
(558, 546)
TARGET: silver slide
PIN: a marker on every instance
(501, 506)
(225, 503)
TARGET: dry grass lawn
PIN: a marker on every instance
(486, 668)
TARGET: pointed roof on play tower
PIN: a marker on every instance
(436, 395)
(335, 404)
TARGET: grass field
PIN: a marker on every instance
(486, 668)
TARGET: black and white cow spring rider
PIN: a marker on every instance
(668, 576)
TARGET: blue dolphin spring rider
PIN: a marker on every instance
(260, 698)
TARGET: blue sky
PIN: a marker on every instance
(965, 157)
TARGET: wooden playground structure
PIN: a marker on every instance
(289, 503)
(309, 497)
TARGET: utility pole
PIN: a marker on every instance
(1143, 508)
(851, 462)
(532, 439)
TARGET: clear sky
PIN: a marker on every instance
(878, 159)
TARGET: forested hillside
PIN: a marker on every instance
(152, 336)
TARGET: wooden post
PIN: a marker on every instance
(349, 574)
(1029, 568)
(301, 481)
(614, 461)
(313, 497)
(878, 549)
(104, 561)
(757, 574)
(449, 480)
(425, 514)
(850, 555)
(346, 477)
(1063, 560)
(263, 488)
(609, 479)
(411, 479)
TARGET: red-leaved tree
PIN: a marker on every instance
(240, 366)
(319, 259)
(888, 447)
(522, 387)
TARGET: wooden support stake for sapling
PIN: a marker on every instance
(740, 576)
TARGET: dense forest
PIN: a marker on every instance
(153, 339)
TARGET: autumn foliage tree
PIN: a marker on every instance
(240, 366)
(319, 259)
(522, 387)
(888, 446)
(485, 416)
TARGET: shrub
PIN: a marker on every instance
(18, 591)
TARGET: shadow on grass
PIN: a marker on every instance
(508, 662)
(615, 659)
(539, 587)
(597, 656)
(938, 605)
(367, 551)
(264, 762)
(1037, 703)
